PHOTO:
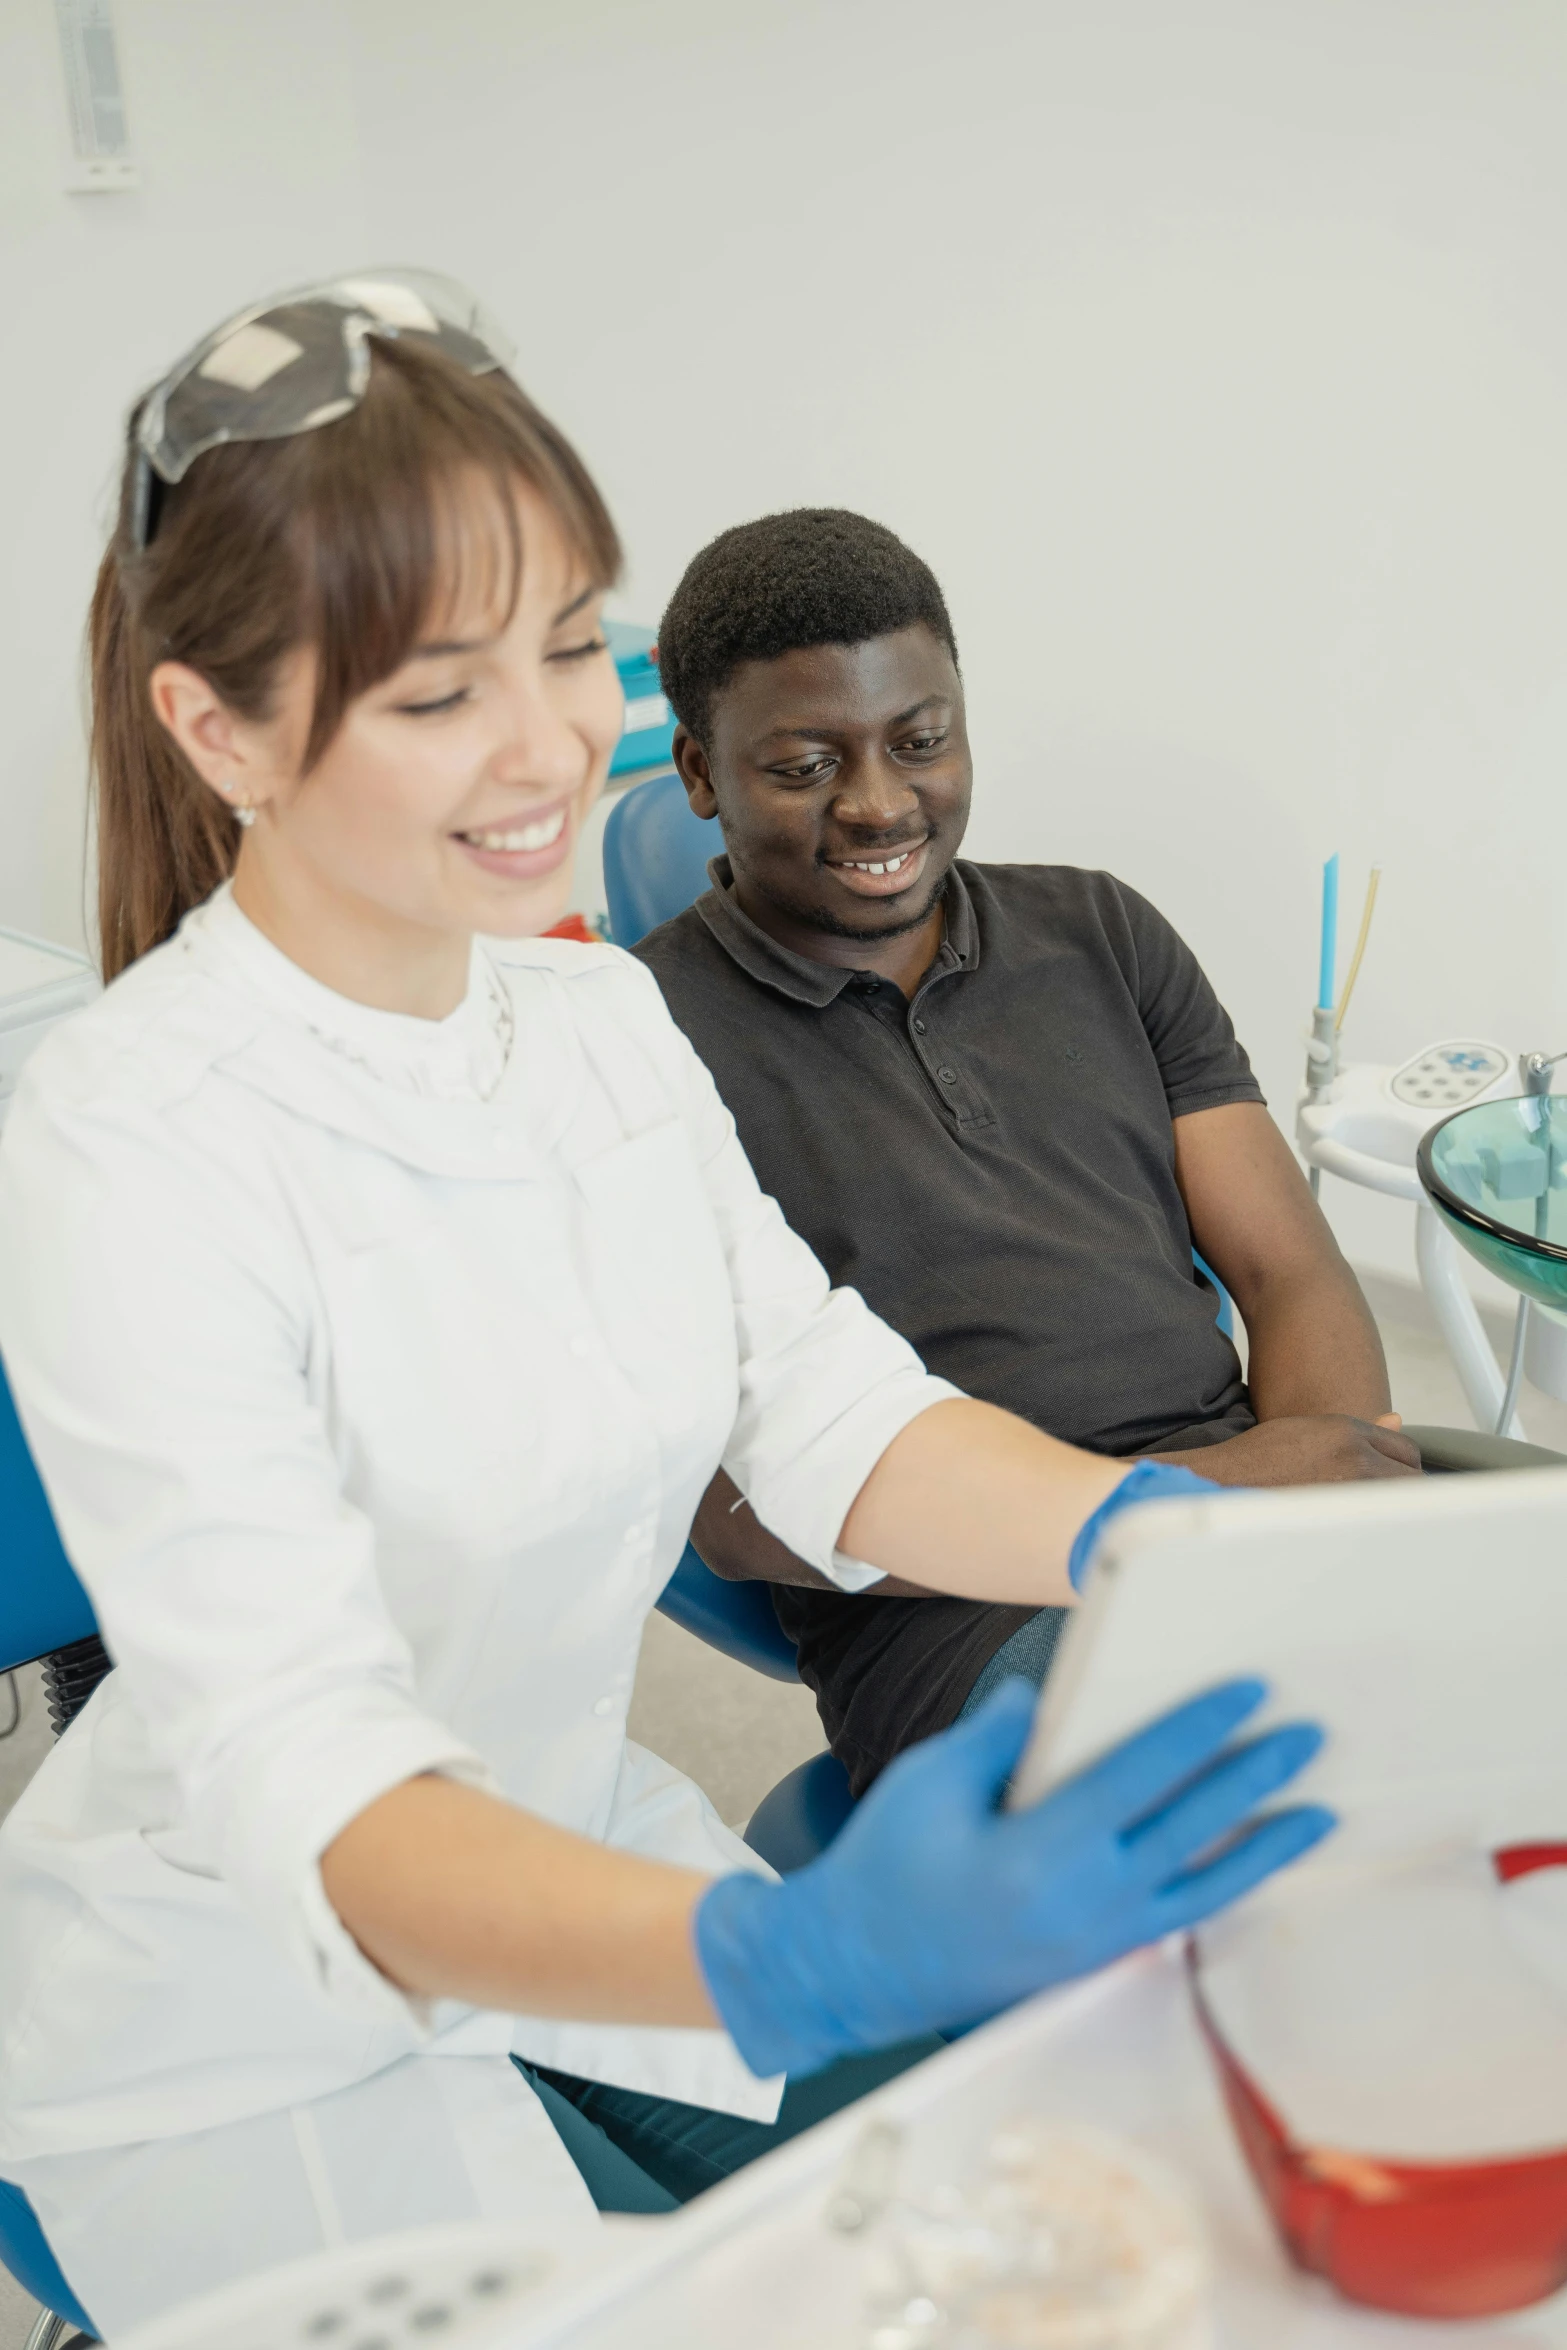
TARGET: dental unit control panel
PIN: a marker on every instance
(1367, 1124)
(1446, 1076)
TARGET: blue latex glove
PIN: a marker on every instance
(1148, 1481)
(934, 1908)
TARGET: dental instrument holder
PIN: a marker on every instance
(1321, 1068)
(1321, 1054)
(1540, 1334)
(1363, 1122)
(1534, 1070)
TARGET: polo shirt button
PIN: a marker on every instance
(947, 1076)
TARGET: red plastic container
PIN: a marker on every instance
(1428, 2240)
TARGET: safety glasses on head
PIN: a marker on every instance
(283, 367)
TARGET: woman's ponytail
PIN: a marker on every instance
(164, 841)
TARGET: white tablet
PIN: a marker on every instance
(1422, 1622)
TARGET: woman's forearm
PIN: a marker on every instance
(453, 1893)
(974, 1501)
(728, 1536)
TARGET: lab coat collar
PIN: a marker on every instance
(504, 1139)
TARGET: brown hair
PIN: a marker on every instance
(341, 538)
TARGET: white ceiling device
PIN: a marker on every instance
(101, 162)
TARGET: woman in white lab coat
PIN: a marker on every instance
(381, 1285)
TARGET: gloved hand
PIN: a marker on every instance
(934, 1908)
(1147, 1481)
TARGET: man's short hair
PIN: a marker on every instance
(817, 575)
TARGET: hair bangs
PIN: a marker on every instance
(408, 527)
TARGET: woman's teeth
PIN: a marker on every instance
(526, 836)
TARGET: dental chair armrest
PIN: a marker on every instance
(1445, 1451)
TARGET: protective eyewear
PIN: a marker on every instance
(287, 365)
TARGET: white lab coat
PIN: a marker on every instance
(374, 1414)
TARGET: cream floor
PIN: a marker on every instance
(735, 1733)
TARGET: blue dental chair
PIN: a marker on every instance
(44, 1612)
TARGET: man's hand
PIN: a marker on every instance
(1326, 1448)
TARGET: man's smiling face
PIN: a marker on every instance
(841, 774)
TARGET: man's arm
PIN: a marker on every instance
(1316, 1370)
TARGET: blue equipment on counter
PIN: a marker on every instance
(650, 723)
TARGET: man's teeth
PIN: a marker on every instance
(527, 836)
(886, 865)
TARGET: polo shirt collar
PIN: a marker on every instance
(798, 976)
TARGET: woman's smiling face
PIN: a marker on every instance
(452, 796)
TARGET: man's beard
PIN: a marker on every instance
(818, 918)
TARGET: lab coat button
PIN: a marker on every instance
(604, 1705)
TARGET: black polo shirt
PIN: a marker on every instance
(992, 1166)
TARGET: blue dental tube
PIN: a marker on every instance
(1329, 965)
(1322, 1051)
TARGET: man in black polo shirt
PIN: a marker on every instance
(1001, 1101)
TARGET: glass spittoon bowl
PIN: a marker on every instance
(1496, 1174)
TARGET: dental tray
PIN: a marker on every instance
(763, 2259)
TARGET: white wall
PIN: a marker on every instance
(1214, 351)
